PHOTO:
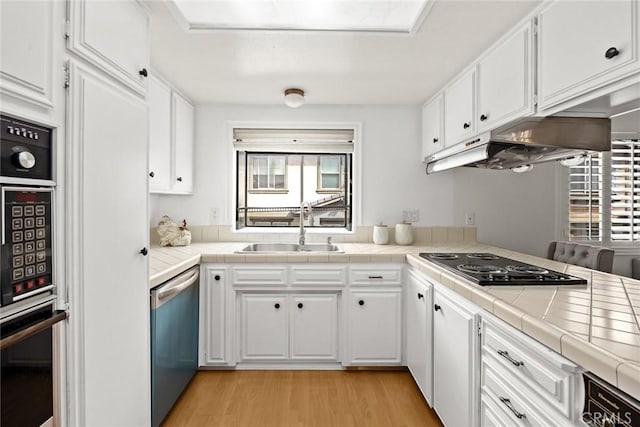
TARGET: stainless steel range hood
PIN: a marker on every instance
(527, 141)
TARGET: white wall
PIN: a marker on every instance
(392, 176)
(513, 211)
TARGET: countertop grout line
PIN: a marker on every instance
(636, 314)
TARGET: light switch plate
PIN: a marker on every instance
(410, 215)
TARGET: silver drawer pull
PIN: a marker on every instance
(375, 277)
(508, 404)
(505, 354)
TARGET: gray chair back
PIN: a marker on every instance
(593, 257)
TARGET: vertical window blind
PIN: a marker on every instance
(594, 187)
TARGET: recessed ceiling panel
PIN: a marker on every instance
(400, 16)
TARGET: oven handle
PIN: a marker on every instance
(59, 316)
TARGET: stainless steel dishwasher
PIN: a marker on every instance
(174, 340)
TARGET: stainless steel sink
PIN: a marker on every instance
(289, 247)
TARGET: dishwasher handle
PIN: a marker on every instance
(173, 287)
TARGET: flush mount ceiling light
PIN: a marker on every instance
(522, 169)
(388, 16)
(294, 98)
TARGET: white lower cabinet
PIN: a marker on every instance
(419, 332)
(455, 359)
(217, 318)
(278, 327)
(374, 327)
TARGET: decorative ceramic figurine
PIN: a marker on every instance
(380, 234)
(172, 234)
(404, 233)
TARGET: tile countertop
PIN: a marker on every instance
(596, 326)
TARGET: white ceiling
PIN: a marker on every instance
(254, 67)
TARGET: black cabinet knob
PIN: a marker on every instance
(420, 296)
(179, 179)
(217, 277)
(361, 302)
(143, 72)
(300, 305)
(483, 117)
(436, 307)
(144, 251)
(277, 306)
(612, 52)
(435, 140)
(151, 174)
(466, 125)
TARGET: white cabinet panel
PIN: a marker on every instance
(182, 144)
(432, 135)
(259, 275)
(419, 332)
(110, 334)
(573, 39)
(454, 361)
(314, 327)
(459, 110)
(100, 31)
(159, 100)
(375, 274)
(318, 275)
(504, 81)
(26, 43)
(216, 314)
(374, 327)
(264, 324)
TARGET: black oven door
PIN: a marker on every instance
(26, 377)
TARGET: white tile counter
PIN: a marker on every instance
(596, 326)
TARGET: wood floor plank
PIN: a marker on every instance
(301, 399)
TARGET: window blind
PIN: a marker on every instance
(625, 190)
(294, 140)
(585, 199)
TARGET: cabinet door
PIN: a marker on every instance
(454, 362)
(573, 41)
(99, 32)
(183, 144)
(419, 338)
(108, 217)
(216, 318)
(459, 114)
(505, 82)
(314, 327)
(375, 327)
(432, 140)
(159, 101)
(265, 333)
(26, 43)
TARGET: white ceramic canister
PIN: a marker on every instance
(404, 233)
(380, 234)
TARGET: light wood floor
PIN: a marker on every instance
(302, 398)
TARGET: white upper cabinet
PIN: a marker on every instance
(99, 31)
(432, 137)
(504, 90)
(171, 139)
(585, 45)
(182, 144)
(159, 100)
(26, 43)
(459, 111)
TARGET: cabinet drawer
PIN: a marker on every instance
(368, 275)
(500, 394)
(259, 275)
(540, 370)
(318, 275)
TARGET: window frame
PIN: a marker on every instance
(356, 175)
(252, 190)
(341, 176)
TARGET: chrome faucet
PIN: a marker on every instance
(301, 238)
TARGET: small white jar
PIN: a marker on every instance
(380, 234)
(404, 234)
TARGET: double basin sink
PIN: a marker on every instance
(289, 247)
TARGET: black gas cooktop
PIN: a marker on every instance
(487, 269)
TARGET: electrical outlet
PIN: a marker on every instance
(410, 215)
(470, 218)
(214, 216)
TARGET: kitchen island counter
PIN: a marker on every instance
(596, 326)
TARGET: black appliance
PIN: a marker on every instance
(27, 370)
(486, 269)
(26, 149)
(606, 406)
